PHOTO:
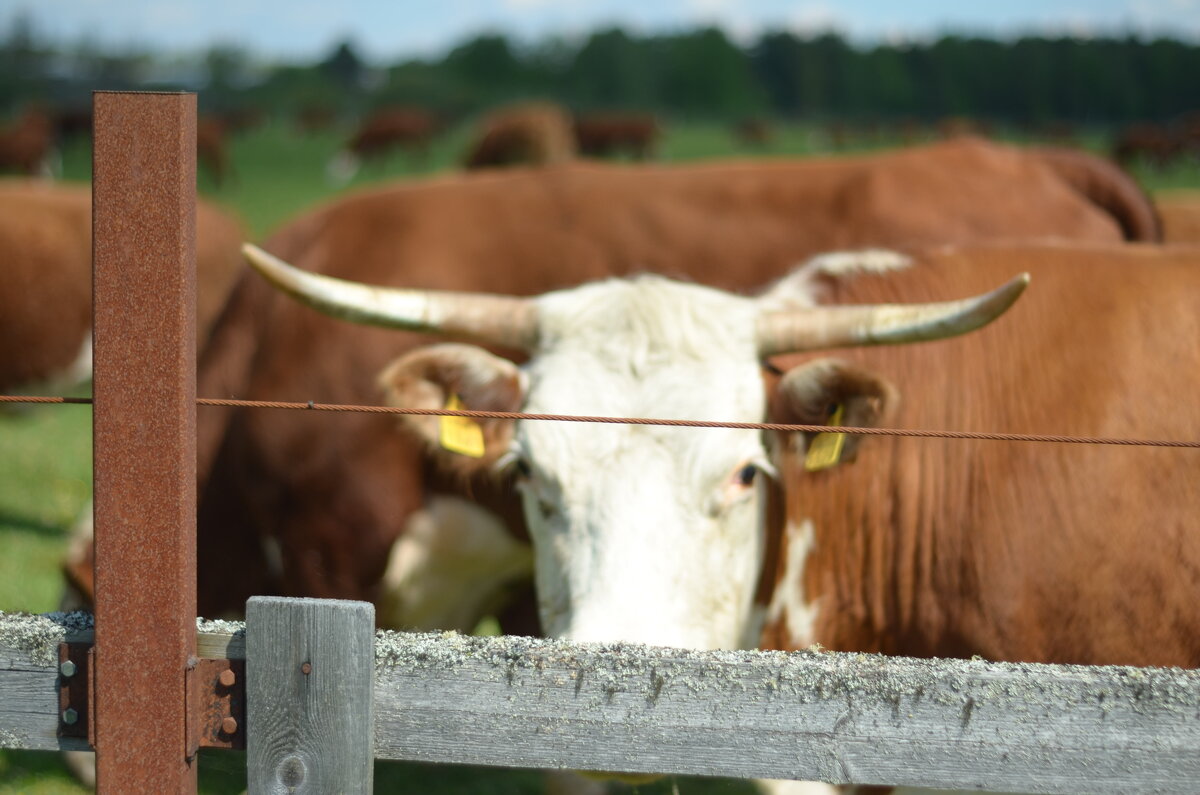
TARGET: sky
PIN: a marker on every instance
(388, 31)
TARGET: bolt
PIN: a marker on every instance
(67, 669)
(306, 669)
(227, 678)
(229, 725)
(70, 717)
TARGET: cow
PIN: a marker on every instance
(329, 527)
(46, 290)
(530, 134)
(640, 533)
(1011, 551)
(907, 546)
(27, 145)
(753, 133)
(212, 135)
(613, 134)
(379, 134)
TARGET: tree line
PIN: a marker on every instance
(696, 74)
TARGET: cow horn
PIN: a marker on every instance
(885, 324)
(500, 319)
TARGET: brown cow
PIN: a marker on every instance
(614, 134)
(212, 133)
(309, 505)
(1011, 551)
(655, 535)
(27, 144)
(46, 284)
(532, 134)
(379, 134)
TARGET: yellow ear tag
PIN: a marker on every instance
(460, 434)
(826, 448)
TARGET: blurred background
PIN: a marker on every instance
(289, 91)
(291, 82)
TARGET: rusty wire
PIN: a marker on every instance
(753, 426)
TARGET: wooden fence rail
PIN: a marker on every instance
(836, 717)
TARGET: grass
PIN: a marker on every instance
(45, 453)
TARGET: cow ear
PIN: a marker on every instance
(460, 377)
(829, 392)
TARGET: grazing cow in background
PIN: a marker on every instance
(46, 280)
(752, 133)
(1018, 551)
(211, 148)
(328, 527)
(1155, 144)
(27, 145)
(412, 129)
(531, 134)
(615, 134)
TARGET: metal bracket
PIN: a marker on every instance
(216, 695)
(75, 688)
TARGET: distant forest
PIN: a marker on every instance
(699, 74)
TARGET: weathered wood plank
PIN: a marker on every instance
(841, 718)
(309, 708)
(861, 718)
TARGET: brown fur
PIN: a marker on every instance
(336, 491)
(1022, 551)
(46, 289)
(212, 149)
(1180, 211)
(26, 143)
(531, 134)
(394, 128)
(611, 134)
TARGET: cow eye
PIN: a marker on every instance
(523, 468)
(745, 476)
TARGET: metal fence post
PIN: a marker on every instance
(144, 294)
(310, 672)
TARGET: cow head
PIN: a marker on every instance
(641, 533)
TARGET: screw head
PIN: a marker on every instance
(67, 669)
(229, 725)
(306, 669)
(70, 717)
(227, 678)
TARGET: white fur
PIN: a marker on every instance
(449, 567)
(640, 532)
(787, 602)
(801, 287)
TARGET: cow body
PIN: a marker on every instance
(1014, 551)
(536, 133)
(312, 506)
(46, 290)
(27, 144)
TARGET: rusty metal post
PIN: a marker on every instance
(144, 305)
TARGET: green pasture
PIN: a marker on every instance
(45, 452)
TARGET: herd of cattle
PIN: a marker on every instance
(697, 292)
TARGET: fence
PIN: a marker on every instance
(314, 696)
(317, 692)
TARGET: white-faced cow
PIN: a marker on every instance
(355, 518)
(641, 533)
